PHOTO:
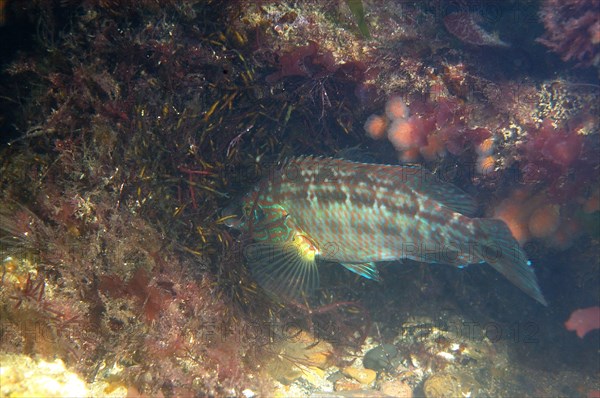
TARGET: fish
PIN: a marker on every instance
(315, 210)
(465, 26)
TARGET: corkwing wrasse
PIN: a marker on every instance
(323, 209)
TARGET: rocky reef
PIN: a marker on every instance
(129, 125)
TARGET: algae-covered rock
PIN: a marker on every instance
(22, 376)
(382, 357)
(298, 355)
(396, 388)
(363, 376)
(450, 385)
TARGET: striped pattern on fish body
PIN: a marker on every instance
(362, 213)
(357, 214)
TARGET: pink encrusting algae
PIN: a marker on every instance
(583, 321)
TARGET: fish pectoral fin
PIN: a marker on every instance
(282, 269)
(366, 270)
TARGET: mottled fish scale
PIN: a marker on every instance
(372, 206)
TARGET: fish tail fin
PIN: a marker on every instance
(497, 247)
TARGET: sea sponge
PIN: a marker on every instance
(395, 108)
(375, 126)
(403, 134)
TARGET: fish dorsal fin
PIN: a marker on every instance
(454, 199)
(366, 270)
(425, 182)
(283, 269)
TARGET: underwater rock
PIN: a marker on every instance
(298, 355)
(346, 384)
(25, 377)
(450, 385)
(350, 394)
(382, 357)
(364, 376)
(396, 388)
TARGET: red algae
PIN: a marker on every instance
(556, 145)
(551, 153)
(151, 298)
(434, 149)
(572, 30)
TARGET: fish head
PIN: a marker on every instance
(243, 212)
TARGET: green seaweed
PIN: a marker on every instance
(356, 6)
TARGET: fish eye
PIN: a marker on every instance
(230, 216)
(246, 209)
(258, 215)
